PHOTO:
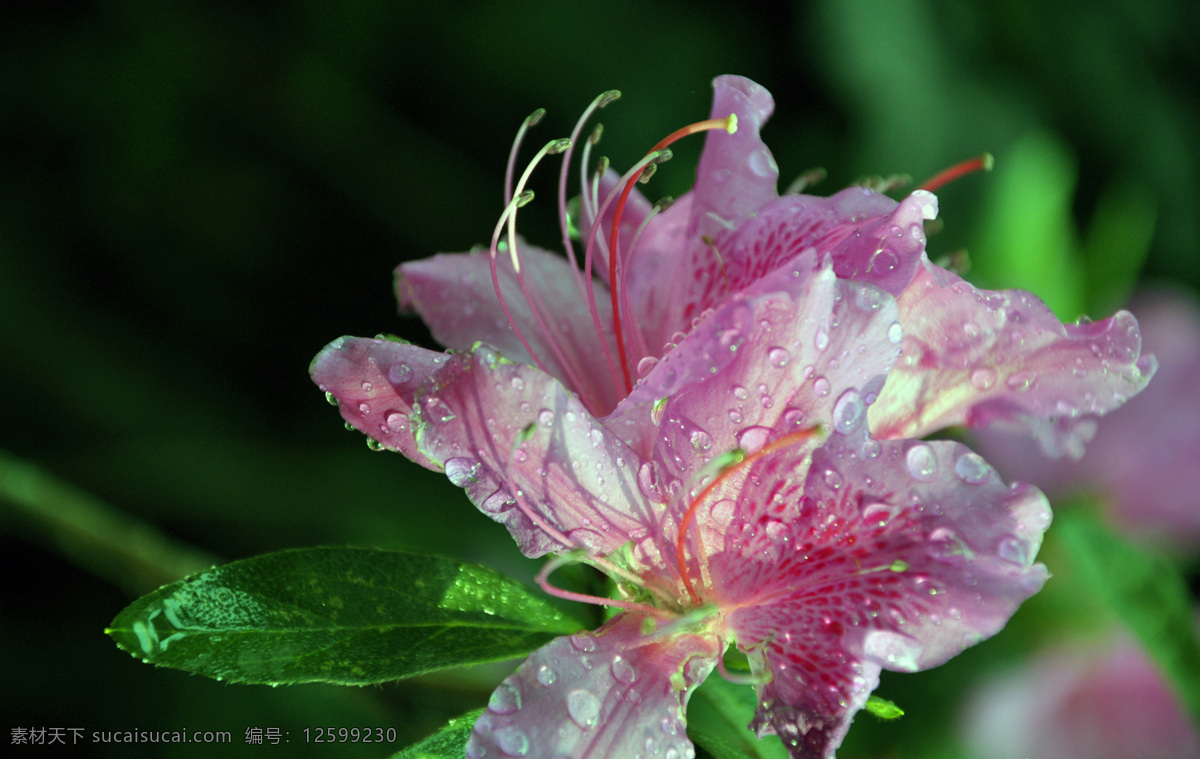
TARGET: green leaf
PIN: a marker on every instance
(1117, 243)
(448, 743)
(337, 615)
(1147, 592)
(718, 717)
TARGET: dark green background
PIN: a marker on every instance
(196, 197)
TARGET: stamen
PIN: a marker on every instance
(729, 124)
(804, 181)
(576, 556)
(594, 240)
(712, 244)
(600, 102)
(740, 460)
(521, 199)
(979, 163)
(530, 121)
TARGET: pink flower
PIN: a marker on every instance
(1100, 700)
(758, 480)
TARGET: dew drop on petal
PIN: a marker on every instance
(822, 339)
(878, 513)
(623, 671)
(753, 439)
(1012, 548)
(545, 417)
(870, 449)
(849, 412)
(505, 700)
(546, 676)
(461, 471)
(779, 357)
(983, 379)
(517, 383)
(739, 392)
(645, 366)
(1021, 381)
(821, 387)
(512, 741)
(396, 421)
(584, 641)
(833, 479)
(921, 462)
(895, 333)
(364, 409)
(971, 468)
(584, 708)
(399, 374)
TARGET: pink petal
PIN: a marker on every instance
(618, 693)
(374, 382)
(973, 357)
(775, 356)
(455, 296)
(673, 273)
(494, 424)
(893, 554)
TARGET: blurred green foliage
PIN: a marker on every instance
(196, 196)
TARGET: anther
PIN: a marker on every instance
(597, 133)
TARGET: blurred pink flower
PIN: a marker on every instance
(1103, 700)
(725, 418)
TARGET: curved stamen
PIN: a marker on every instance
(594, 240)
(520, 200)
(978, 163)
(543, 580)
(530, 121)
(741, 460)
(601, 101)
(729, 124)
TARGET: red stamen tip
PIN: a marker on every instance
(979, 163)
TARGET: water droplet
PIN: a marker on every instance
(584, 641)
(364, 409)
(740, 392)
(396, 421)
(597, 437)
(971, 330)
(1011, 548)
(1021, 381)
(506, 699)
(878, 513)
(649, 482)
(871, 449)
(895, 333)
(753, 439)
(545, 417)
(779, 357)
(700, 440)
(583, 707)
(512, 741)
(794, 417)
(546, 676)
(921, 462)
(646, 365)
(735, 416)
(983, 379)
(822, 340)
(849, 412)
(971, 468)
(833, 479)
(821, 387)
(462, 471)
(623, 671)
(399, 374)
(367, 386)
(517, 383)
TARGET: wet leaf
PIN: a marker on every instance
(718, 717)
(448, 743)
(337, 615)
